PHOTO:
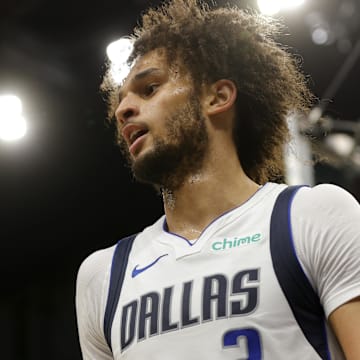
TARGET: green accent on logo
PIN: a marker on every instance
(230, 243)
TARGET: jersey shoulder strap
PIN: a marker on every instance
(303, 300)
(118, 269)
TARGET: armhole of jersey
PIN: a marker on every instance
(118, 269)
(303, 300)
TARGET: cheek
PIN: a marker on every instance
(180, 90)
(176, 98)
(170, 101)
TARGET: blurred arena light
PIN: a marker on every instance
(320, 35)
(337, 26)
(272, 7)
(343, 144)
(12, 123)
(118, 52)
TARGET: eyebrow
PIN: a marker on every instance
(145, 73)
(140, 75)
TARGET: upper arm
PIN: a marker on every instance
(91, 286)
(345, 321)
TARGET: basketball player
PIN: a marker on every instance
(239, 266)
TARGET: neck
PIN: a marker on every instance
(204, 196)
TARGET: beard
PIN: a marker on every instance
(176, 156)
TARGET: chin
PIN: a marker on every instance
(153, 167)
(140, 157)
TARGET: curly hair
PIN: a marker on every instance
(239, 45)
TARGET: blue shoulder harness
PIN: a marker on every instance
(118, 269)
(303, 300)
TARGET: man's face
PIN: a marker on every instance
(161, 128)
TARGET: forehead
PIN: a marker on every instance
(153, 59)
(157, 59)
(154, 63)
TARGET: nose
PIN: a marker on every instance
(126, 109)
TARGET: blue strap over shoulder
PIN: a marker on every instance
(302, 298)
(118, 269)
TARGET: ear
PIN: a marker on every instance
(220, 97)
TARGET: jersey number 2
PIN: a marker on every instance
(253, 341)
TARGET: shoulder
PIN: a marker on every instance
(94, 270)
(324, 197)
(324, 204)
(96, 263)
(325, 213)
(91, 292)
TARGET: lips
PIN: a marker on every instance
(131, 132)
(136, 134)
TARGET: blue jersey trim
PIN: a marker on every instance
(166, 228)
(118, 269)
(303, 300)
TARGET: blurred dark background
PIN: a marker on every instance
(64, 191)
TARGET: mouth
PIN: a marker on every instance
(133, 133)
(136, 134)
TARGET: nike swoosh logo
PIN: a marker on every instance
(136, 271)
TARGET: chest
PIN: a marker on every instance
(225, 280)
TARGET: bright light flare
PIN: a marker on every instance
(342, 144)
(320, 36)
(12, 123)
(118, 53)
(272, 7)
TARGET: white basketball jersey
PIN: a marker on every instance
(214, 298)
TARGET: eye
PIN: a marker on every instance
(150, 89)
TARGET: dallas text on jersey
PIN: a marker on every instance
(152, 313)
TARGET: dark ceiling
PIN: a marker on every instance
(64, 191)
